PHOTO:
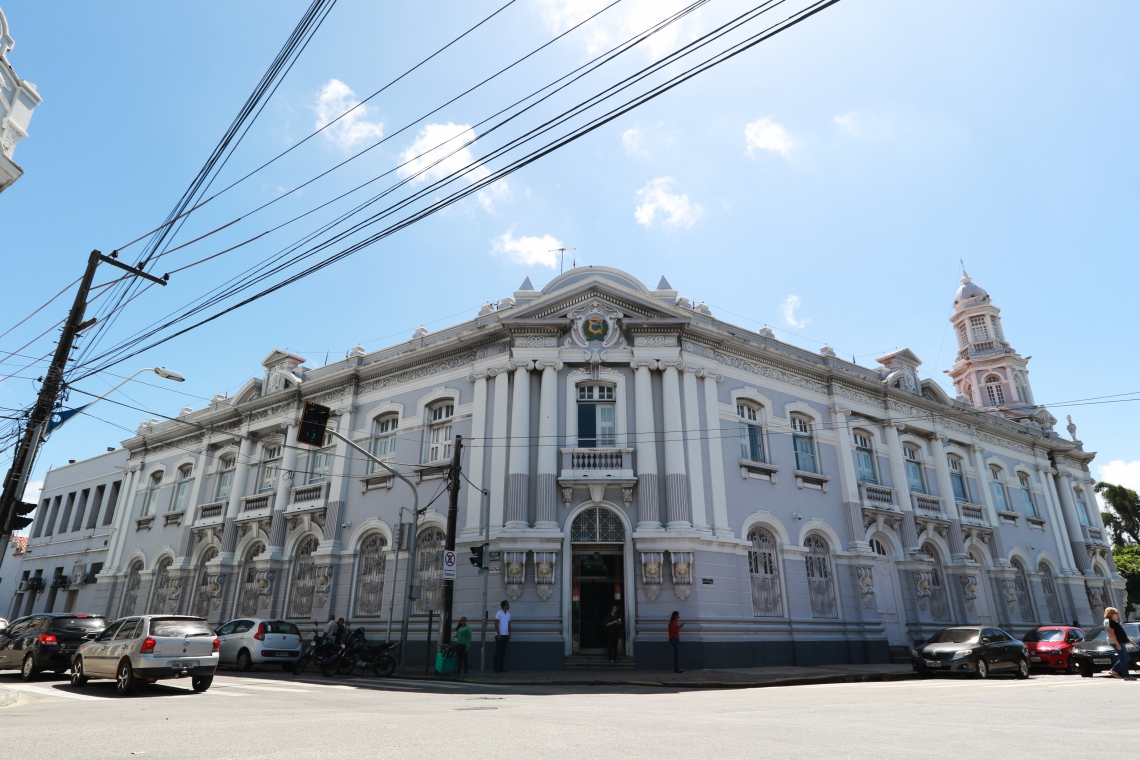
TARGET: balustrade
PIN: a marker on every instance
(312, 492)
(974, 513)
(214, 509)
(878, 497)
(594, 460)
(254, 503)
(927, 505)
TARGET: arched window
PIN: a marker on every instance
(939, 606)
(370, 577)
(751, 440)
(915, 477)
(821, 586)
(1082, 508)
(152, 488)
(1052, 601)
(131, 590)
(597, 525)
(160, 597)
(440, 431)
(182, 488)
(429, 570)
(994, 391)
(958, 479)
(804, 444)
(878, 547)
(1027, 495)
(764, 571)
(304, 579)
(970, 392)
(596, 417)
(248, 591)
(201, 606)
(270, 463)
(225, 478)
(997, 484)
(865, 458)
(383, 444)
(1021, 588)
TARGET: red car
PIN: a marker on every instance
(1051, 646)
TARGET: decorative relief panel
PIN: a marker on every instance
(181, 443)
(426, 371)
(655, 341)
(651, 574)
(545, 564)
(273, 411)
(969, 591)
(682, 574)
(535, 341)
(757, 369)
(595, 327)
(853, 395)
(866, 577)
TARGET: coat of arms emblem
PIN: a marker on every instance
(595, 329)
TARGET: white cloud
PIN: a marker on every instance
(440, 143)
(847, 122)
(791, 303)
(528, 250)
(334, 99)
(630, 18)
(765, 134)
(1121, 473)
(675, 209)
(631, 140)
(497, 192)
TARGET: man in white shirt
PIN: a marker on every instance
(502, 635)
(331, 628)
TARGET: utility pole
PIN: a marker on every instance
(17, 477)
(452, 516)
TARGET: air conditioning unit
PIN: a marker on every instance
(35, 584)
(78, 576)
(60, 581)
(22, 587)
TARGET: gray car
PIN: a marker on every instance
(148, 648)
(255, 641)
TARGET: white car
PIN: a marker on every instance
(253, 641)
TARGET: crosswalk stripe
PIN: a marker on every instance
(257, 687)
(49, 692)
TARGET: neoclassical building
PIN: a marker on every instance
(630, 449)
(18, 98)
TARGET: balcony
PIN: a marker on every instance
(926, 505)
(1093, 535)
(258, 503)
(211, 511)
(308, 504)
(974, 514)
(983, 347)
(596, 469)
(878, 497)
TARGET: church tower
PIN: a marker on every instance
(988, 373)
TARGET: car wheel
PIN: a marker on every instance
(1023, 668)
(1069, 667)
(287, 667)
(29, 671)
(244, 661)
(124, 679)
(983, 668)
(201, 683)
(1085, 670)
(77, 677)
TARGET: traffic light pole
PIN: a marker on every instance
(24, 460)
(452, 517)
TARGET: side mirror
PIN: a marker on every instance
(985, 640)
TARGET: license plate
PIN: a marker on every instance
(1035, 659)
(183, 664)
(933, 664)
(278, 654)
(1101, 661)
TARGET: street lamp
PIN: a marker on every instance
(163, 372)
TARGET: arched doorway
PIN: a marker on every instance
(886, 594)
(597, 541)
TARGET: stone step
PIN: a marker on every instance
(900, 655)
(596, 662)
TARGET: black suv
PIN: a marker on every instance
(46, 641)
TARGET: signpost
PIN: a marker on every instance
(448, 565)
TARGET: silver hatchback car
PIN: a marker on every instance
(148, 648)
(254, 641)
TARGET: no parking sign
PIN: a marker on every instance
(448, 565)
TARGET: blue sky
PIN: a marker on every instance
(825, 183)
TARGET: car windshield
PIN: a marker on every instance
(954, 636)
(79, 624)
(176, 628)
(1096, 634)
(280, 626)
(1045, 634)
(1133, 630)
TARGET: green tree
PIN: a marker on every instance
(1123, 517)
(1128, 565)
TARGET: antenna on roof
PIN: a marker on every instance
(562, 251)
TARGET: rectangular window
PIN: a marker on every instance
(1001, 503)
(958, 481)
(383, 440)
(440, 442)
(271, 459)
(978, 329)
(1083, 512)
(319, 469)
(96, 503)
(225, 479)
(805, 454)
(751, 443)
(914, 479)
(1027, 496)
(962, 339)
(865, 460)
(182, 489)
(112, 502)
(596, 417)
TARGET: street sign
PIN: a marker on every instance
(448, 565)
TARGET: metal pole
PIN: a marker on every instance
(452, 518)
(486, 575)
(395, 573)
(427, 644)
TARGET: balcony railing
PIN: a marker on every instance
(878, 497)
(1093, 535)
(254, 503)
(973, 513)
(926, 505)
(310, 493)
(599, 461)
(214, 509)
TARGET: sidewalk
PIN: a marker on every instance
(694, 679)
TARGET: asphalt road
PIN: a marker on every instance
(271, 715)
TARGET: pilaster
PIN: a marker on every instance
(648, 505)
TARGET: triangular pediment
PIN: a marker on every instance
(632, 305)
(277, 356)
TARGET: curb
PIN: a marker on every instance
(8, 697)
(769, 682)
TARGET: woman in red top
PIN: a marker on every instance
(675, 626)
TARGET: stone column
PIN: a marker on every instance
(476, 450)
(716, 456)
(498, 443)
(693, 438)
(286, 479)
(1072, 520)
(546, 511)
(848, 480)
(898, 480)
(946, 491)
(676, 481)
(645, 436)
(237, 490)
(121, 521)
(997, 550)
(1056, 519)
(518, 478)
(1091, 502)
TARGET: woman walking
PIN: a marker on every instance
(462, 644)
(613, 633)
(675, 626)
(1120, 640)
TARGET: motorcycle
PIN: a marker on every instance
(358, 653)
(319, 651)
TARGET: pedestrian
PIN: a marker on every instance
(341, 631)
(1076, 624)
(675, 626)
(502, 635)
(1119, 639)
(330, 629)
(462, 644)
(613, 633)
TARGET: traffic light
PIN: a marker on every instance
(17, 522)
(478, 555)
(314, 420)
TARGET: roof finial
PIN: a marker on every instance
(965, 276)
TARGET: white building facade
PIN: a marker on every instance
(18, 98)
(634, 451)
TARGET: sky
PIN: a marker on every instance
(828, 182)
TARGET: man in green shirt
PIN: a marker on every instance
(463, 643)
